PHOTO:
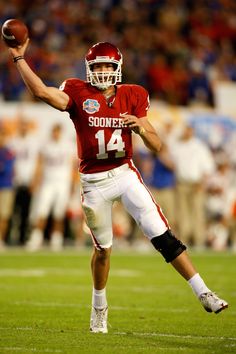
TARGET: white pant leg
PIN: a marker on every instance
(98, 198)
(141, 205)
(97, 206)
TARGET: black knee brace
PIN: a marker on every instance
(168, 245)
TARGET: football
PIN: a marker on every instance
(14, 33)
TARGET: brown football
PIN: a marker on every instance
(14, 32)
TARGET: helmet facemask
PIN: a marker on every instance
(103, 79)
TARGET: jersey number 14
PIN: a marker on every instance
(115, 144)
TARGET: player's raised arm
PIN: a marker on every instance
(51, 95)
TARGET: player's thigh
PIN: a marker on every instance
(98, 212)
(141, 205)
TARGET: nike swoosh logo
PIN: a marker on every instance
(123, 114)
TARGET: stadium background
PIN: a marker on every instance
(45, 297)
(182, 52)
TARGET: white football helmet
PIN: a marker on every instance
(103, 52)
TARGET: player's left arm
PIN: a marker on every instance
(145, 129)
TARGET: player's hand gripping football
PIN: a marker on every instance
(133, 123)
(19, 50)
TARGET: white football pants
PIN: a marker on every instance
(124, 183)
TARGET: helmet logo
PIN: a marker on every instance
(91, 106)
(104, 57)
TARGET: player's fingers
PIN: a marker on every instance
(26, 43)
(127, 116)
(23, 47)
(19, 50)
(129, 119)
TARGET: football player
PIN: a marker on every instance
(105, 113)
(53, 183)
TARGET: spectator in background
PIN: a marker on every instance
(199, 87)
(193, 163)
(26, 148)
(218, 203)
(180, 80)
(159, 77)
(53, 181)
(233, 224)
(158, 172)
(75, 225)
(6, 187)
(229, 148)
(12, 88)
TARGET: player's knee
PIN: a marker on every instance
(168, 245)
(102, 254)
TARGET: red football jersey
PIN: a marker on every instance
(102, 140)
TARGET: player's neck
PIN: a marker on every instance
(109, 92)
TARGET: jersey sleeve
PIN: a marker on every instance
(67, 87)
(140, 101)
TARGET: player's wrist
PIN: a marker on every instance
(142, 131)
(17, 58)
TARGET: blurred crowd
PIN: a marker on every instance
(40, 191)
(195, 186)
(177, 49)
